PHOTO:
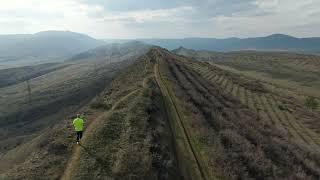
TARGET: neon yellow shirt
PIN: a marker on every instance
(78, 124)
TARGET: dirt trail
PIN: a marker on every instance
(194, 168)
(192, 154)
(76, 152)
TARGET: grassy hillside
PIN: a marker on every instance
(33, 111)
(240, 128)
(166, 116)
(298, 73)
(30, 121)
(16, 75)
(132, 140)
(222, 126)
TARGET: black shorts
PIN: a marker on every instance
(79, 135)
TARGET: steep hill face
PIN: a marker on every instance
(169, 117)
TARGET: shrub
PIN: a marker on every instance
(98, 103)
(312, 103)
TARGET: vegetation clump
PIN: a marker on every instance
(98, 103)
(312, 103)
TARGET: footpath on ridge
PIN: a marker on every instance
(190, 162)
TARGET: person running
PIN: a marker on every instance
(78, 124)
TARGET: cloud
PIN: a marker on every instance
(274, 16)
(271, 4)
(33, 15)
(45, 14)
(162, 18)
(158, 15)
(48, 6)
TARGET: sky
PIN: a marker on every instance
(114, 19)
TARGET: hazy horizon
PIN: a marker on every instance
(138, 38)
(124, 19)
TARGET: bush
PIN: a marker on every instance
(100, 104)
(312, 103)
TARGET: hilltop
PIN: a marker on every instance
(43, 47)
(47, 44)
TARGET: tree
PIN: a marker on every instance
(312, 103)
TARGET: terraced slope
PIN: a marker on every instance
(190, 161)
(238, 127)
(282, 111)
(297, 74)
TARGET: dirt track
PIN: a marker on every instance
(199, 168)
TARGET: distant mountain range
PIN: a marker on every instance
(48, 44)
(53, 46)
(275, 42)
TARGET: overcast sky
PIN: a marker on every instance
(163, 18)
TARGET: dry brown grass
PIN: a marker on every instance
(239, 142)
(133, 139)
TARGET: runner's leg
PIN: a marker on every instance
(78, 136)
